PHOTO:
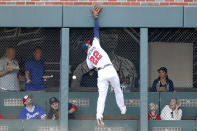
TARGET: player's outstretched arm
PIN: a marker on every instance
(96, 28)
(95, 12)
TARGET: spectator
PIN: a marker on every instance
(172, 111)
(34, 71)
(163, 83)
(152, 115)
(31, 112)
(89, 79)
(125, 85)
(54, 109)
(9, 69)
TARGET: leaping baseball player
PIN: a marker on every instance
(98, 58)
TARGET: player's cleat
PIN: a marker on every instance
(123, 112)
(100, 122)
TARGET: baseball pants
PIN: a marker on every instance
(103, 85)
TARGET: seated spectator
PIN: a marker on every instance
(54, 109)
(125, 85)
(163, 83)
(172, 111)
(89, 79)
(31, 112)
(152, 115)
(34, 71)
(9, 69)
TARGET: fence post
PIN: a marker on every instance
(143, 79)
(64, 79)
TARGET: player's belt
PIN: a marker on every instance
(103, 67)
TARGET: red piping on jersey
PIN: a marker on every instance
(88, 42)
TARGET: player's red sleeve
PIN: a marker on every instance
(75, 107)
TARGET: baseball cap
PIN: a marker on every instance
(52, 100)
(84, 45)
(164, 69)
(25, 98)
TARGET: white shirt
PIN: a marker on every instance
(9, 81)
(96, 56)
(168, 114)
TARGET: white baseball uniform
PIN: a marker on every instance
(98, 58)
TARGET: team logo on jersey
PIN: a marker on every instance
(29, 116)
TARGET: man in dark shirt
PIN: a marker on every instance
(89, 79)
(34, 71)
(54, 109)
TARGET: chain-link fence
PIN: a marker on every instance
(122, 47)
(172, 74)
(174, 49)
(17, 51)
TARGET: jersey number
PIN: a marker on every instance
(96, 57)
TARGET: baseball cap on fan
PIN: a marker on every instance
(26, 97)
(53, 100)
(84, 45)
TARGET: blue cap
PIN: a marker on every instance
(84, 46)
